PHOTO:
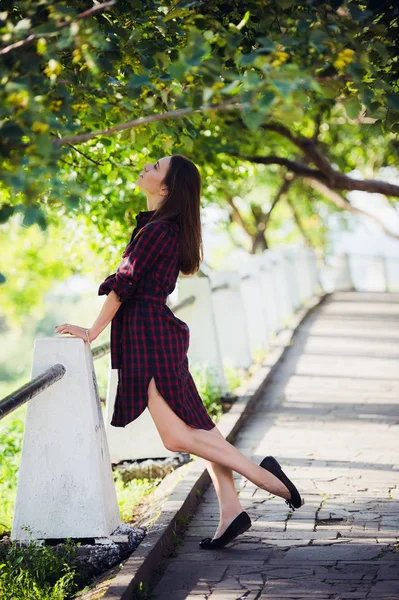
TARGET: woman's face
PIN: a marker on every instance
(152, 175)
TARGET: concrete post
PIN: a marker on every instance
(387, 287)
(304, 275)
(65, 485)
(281, 284)
(254, 302)
(343, 277)
(204, 348)
(376, 275)
(270, 292)
(230, 318)
(315, 284)
(291, 265)
(139, 439)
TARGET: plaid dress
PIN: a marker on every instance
(147, 339)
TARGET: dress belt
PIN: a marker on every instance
(149, 297)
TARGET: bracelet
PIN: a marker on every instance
(87, 335)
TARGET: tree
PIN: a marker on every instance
(89, 93)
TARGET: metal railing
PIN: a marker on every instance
(31, 389)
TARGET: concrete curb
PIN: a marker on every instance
(184, 498)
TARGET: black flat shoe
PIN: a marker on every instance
(240, 524)
(271, 464)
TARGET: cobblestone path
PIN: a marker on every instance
(331, 418)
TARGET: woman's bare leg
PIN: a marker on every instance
(216, 451)
(223, 481)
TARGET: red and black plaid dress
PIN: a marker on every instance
(147, 339)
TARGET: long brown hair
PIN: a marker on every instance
(182, 204)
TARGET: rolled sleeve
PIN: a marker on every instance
(151, 244)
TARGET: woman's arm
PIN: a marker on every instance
(106, 314)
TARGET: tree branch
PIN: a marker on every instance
(174, 114)
(343, 203)
(288, 179)
(298, 222)
(339, 182)
(292, 165)
(236, 215)
(96, 162)
(261, 237)
(307, 146)
(31, 38)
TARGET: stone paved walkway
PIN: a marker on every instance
(331, 417)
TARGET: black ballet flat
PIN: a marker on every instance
(271, 464)
(240, 524)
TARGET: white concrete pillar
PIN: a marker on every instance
(387, 287)
(376, 276)
(343, 277)
(315, 284)
(260, 275)
(270, 292)
(230, 320)
(304, 275)
(254, 302)
(204, 348)
(281, 284)
(65, 484)
(139, 439)
(290, 255)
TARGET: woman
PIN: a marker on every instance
(149, 343)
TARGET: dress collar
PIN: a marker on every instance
(145, 215)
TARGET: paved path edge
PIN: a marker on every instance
(184, 499)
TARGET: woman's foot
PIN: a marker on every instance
(273, 466)
(238, 525)
(224, 523)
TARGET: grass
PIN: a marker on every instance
(132, 493)
(11, 435)
(37, 571)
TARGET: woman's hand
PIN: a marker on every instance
(75, 331)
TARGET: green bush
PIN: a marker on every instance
(130, 494)
(37, 572)
(11, 434)
(208, 388)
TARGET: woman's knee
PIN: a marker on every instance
(173, 444)
(179, 440)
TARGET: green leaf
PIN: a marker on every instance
(393, 101)
(247, 59)
(267, 44)
(359, 14)
(317, 39)
(138, 80)
(252, 119)
(105, 142)
(187, 142)
(72, 201)
(11, 130)
(178, 70)
(32, 215)
(6, 212)
(283, 87)
(265, 99)
(44, 144)
(352, 107)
